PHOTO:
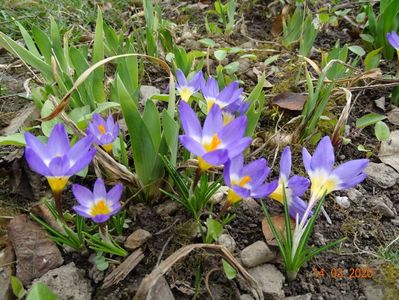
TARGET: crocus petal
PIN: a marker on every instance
(114, 194)
(217, 157)
(323, 157)
(285, 162)
(80, 148)
(181, 79)
(393, 39)
(83, 195)
(82, 163)
(197, 80)
(36, 163)
(349, 183)
(228, 95)
(190, 122)
(298, 185)
(101, 218)
(257, 170)
(241, 191)
(115, 208)
(264, 189)
(236, 165)
(350, 169)
(210, 88)
(306, 158)
(192, 145)
(37, 146)
(58, 142)
(235, 129)
(238, 147)
(213, 122)
(297, 206)
(99, 191)
(59, 166)
(82, 211)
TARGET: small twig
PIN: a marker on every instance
(207, 281)
(163, 250)
(167, 228)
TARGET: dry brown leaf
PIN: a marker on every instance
(277, 26)
(279, 224)
(21, 119)
(123, 269)
(36, 253)
(389, 151)
(290, 101)
(150, 280)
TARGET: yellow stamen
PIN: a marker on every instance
(100, 208)
(244, 180)
(57, 184)
(233, 197)
(108, 148)
(209, 105)
(213, 144)
(185, 93)
(321, 185)
(101, 128)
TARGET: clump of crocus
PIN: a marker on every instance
(325, 179)
(57, 160)
(98, 205)
(214, 144)
(246, 180)
(104, 131)
(187, 88)
(294, 187)
(223, 98)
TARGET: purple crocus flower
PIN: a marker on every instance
(97, 205)
(393, 39)
(247, 181)
(223, 98)
(57, 160)
(187, 88)
(324, 178)
(237, 108)
(214, 144)
(104, 131)
(294, 187)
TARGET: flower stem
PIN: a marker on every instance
(197, 177)
(224, 208)
(58, 204)
(291, 275)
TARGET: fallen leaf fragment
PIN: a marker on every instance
(290, 101)
(277, 26)
(389, 151)
(36, 253)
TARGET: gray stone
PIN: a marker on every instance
(136, 239)
(68, 283)
(227, 241)
(354, 195)
(160, 291)
(256, 254)
(300, 297)
(383, 205)
(270, 280)
(372, 291)
(146, 91)
(343, 201)
(167, 208)
(395, 221)
(244, 65)
(381, 174)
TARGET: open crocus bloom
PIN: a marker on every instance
(104, 132)
(324, 178)
(294, 187)
(214, 144)
(228, 95)
(57, 160)
(97, 205)
(187, 88)
(247, 181)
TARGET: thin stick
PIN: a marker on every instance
(163, 250)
